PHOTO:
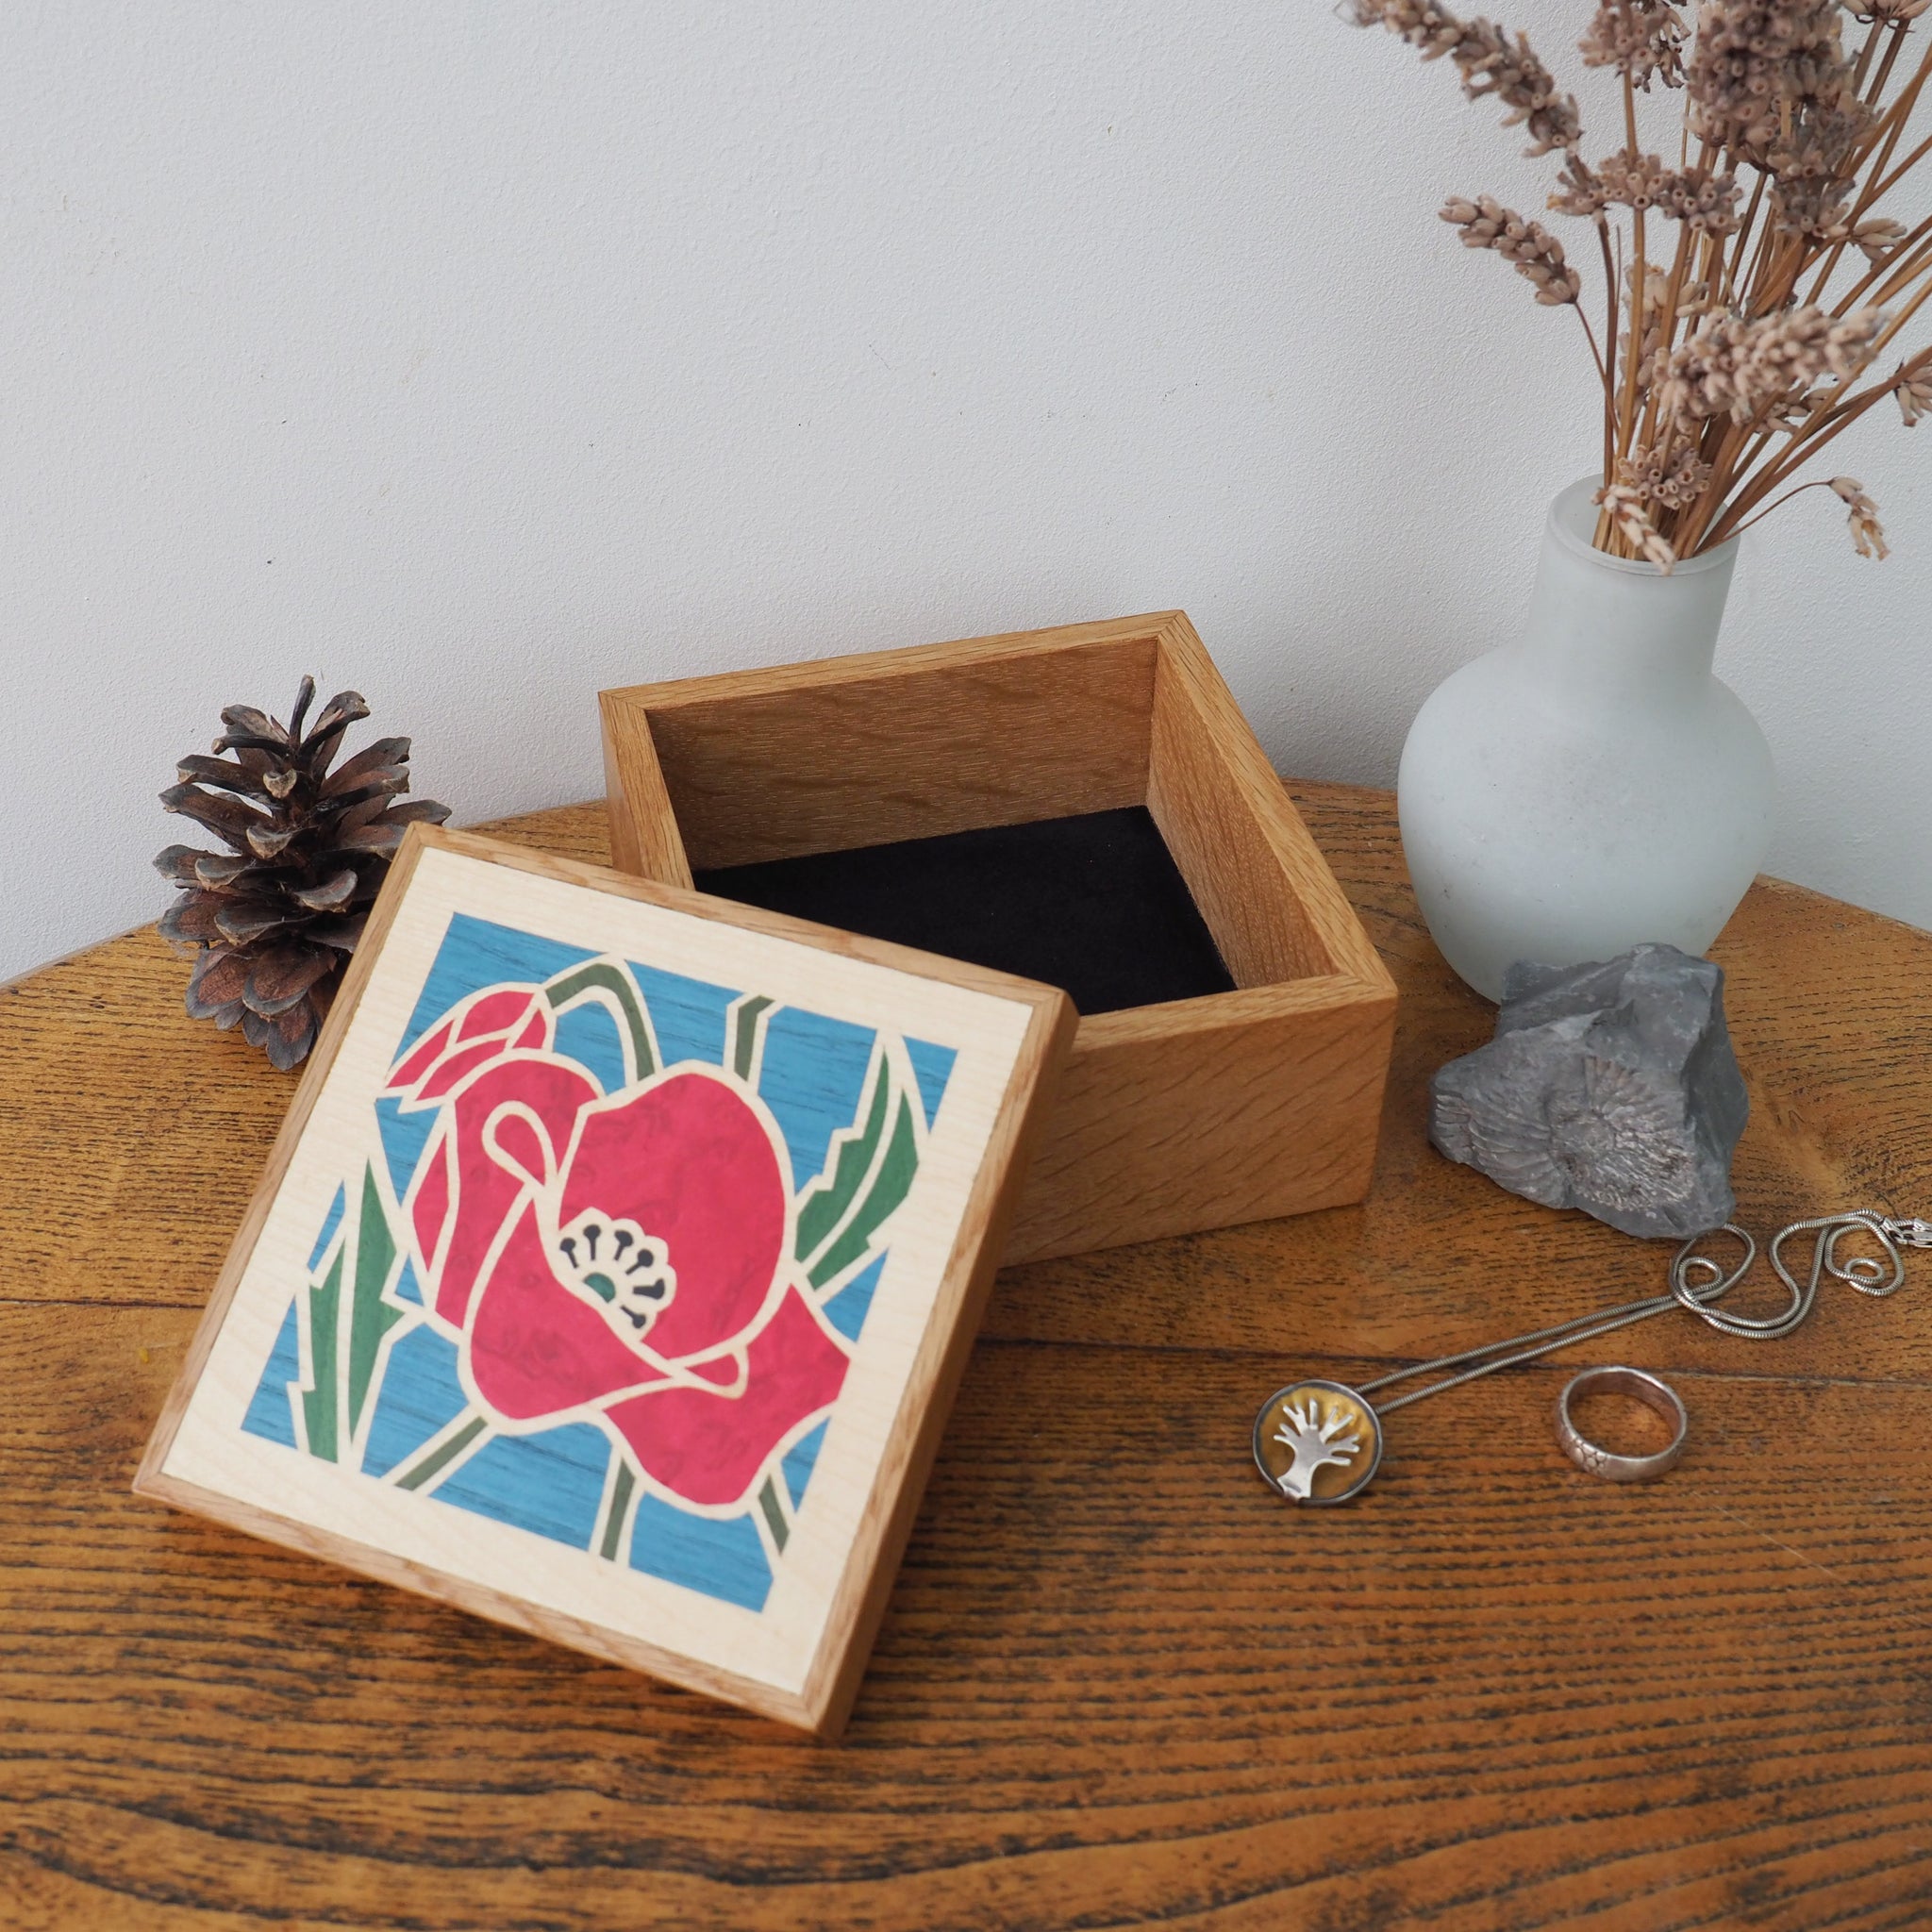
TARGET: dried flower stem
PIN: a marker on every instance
(1912, 385)
(1668, 322)
(1885, 66)
(1867, 537)
(1634, 532)
(1891, 125)
(1609, 469)
(1904, 168)
(1799, 491)
(1639, 267)
(1836, 412)
(1892, 116)
(1730, 291)
(1835, 423)
(1918, 251)
(1743, 352)
(1865, 54)
(1908, 260)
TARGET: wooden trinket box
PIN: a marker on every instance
(1082, 797)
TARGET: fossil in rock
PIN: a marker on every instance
(1609, 1086)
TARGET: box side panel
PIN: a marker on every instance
(644, 838)
(1157, 1133)
(861, 667)
(944, 744)
(1261, 883)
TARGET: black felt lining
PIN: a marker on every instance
(1094, 904)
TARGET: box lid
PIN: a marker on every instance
(615, 1267)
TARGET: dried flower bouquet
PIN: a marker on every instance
(1731, 363)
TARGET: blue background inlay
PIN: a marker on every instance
(403, 1136)
(847, 1310)
(551, 1483)
(813, 1077)
(932, 1066)
(800, 1461)
(420, 1394)
(331, 1220)
(723, 1559)
(588, 1034)
(687, 1015)
(475, 953)
(269, 1413)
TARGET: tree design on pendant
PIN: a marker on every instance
(1318, 1442)
(1315, 1443)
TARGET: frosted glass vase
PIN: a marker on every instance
(1592, 785)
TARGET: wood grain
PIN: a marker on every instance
(1173, 1118)
(1261, 1102)
(644, 837)
(886, 745)
(1116, 1684)
(1260, 881)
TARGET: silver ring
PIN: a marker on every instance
(1654, 1393)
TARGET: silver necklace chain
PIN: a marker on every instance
(1698, 1283)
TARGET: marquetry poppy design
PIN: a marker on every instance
(605, 1265)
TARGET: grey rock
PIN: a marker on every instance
(1611, 1087)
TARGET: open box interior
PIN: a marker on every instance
(1092, 902)
(1091, 812)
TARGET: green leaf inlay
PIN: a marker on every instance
(891, 1184)
(601, 974)
(439, 1458)
(319, 1398)
(369, 1317)
(619, 1503)
(774, 1513)
(744, 1043)
(824, 1207)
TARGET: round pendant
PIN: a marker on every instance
(1318, 1442)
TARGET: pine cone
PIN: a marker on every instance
(276, 916)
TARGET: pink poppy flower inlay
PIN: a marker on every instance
(629, 1255)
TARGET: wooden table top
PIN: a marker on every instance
(1118, 1684)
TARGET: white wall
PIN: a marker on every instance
(478, 355)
